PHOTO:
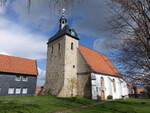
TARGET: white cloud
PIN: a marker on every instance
(41, 77)
(40, 16)
(2, 10)
(106, 44)
(18, 41)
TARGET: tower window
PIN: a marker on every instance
(73, 66)
(52, 50)
(72, 46)
(59, 46)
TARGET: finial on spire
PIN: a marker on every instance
(63, 20)
(63, 11)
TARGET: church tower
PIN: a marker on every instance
(61, 69)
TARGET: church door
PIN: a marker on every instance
(102, 95)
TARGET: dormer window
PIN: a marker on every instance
(72, 46)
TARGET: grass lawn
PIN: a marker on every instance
(120, 106)
(41, 104)
(48, 104)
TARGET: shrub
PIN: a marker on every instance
(109, 97)
(99, 98)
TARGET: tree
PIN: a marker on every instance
(131, 23)
(72, 86)
(54, 4)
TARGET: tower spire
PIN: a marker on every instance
(63, 11)
(63, 20)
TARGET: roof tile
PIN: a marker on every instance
(99, 62)
(11, 64)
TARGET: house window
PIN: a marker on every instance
(114, 85)
(72, 46)
(18, 78)
(24, 91)
(18, 90)
(11, 91)
(24, 78)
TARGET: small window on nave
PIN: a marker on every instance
(114, 85)
(102, 82)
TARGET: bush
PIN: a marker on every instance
(109, 97)
(99, 98)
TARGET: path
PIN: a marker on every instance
(78, 108)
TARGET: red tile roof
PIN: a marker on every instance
(11, 64)
(98, 62)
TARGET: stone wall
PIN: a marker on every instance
(61, 66)
(84, 77)
(55, 67)
(70, 67)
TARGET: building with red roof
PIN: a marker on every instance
(75, 70)
(18, 76)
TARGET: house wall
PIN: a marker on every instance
(121, 86)
(9, 81)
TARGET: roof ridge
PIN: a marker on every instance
(17, 57)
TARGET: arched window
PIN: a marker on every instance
(59, 46)
(72, 46)
(114, 85)
(102, 82)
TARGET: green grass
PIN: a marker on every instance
(48, 104)
(40, 104)
(120, 106)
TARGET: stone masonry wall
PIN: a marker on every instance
(55, 67)
(84, 77)
(70, 81)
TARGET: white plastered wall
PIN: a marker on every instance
(121, 86)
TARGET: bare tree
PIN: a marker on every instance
(54, 4)
(131, 23)
(72, 86)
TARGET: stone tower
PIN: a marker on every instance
(61, 70)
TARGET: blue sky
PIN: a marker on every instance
(24, 34)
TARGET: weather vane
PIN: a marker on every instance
(63, 11)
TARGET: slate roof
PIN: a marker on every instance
(11, 64)
(65, 31)
(98, 62)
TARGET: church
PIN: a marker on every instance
(75, 70)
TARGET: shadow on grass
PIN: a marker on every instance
(14, 107)
(123, 106)
(132, 103)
